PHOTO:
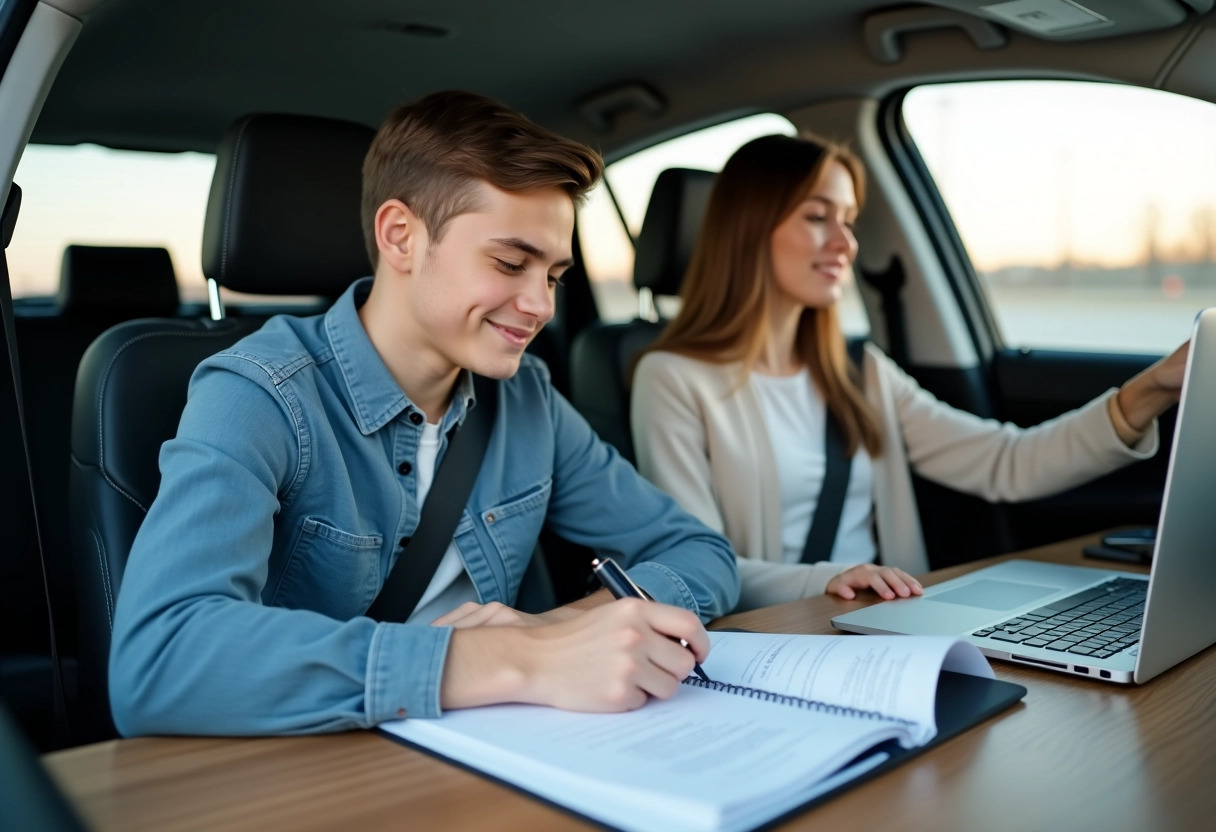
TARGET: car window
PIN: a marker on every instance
(1088, 210)
(94, 195)
(605, 240)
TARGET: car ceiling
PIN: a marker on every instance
(172, 75)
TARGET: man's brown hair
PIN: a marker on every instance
(431, 154)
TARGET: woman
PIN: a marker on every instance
(729, 405)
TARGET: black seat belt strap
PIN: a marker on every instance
(444, 504)
(826, 521)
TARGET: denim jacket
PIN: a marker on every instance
(284, 501)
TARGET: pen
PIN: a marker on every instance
(613, 577)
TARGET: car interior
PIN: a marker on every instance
(285, 100)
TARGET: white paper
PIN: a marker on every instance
(709, 759)
(892, 675)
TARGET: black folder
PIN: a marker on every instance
(962, 702)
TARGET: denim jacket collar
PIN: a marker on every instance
(374, 396)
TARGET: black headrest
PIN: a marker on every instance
(137, 282)
(283, 213)
(669, 232)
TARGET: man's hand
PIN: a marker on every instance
(887, 581)
(609, 658)
(494, 614)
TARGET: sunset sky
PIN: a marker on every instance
(1032, 169)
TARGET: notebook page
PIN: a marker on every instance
(695, 761)
(891, 675)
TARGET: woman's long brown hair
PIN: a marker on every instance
(727, 289)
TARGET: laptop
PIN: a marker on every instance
(1092, 622)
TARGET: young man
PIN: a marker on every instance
(305, 452)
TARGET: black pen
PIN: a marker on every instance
(613, 577)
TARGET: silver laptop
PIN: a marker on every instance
(1094, 622)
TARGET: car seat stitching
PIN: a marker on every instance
(105, 577)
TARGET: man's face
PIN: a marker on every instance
(482, 293)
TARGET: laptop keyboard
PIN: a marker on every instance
(1098, 622)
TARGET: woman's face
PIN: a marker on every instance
(813, 248)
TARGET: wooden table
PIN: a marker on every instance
(1076, 755)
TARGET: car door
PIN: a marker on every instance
(33, 40)
(1080, 249)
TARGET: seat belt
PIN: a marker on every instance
(826, 521)
(8, 223)
(449, 494)
(890, 284)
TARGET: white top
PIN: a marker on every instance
(795, 416)
(451, 585)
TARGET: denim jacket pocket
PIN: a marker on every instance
(330, 571)
(514, 526)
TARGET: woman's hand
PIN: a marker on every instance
(887, 581)
(1147, 395)
(1168, 372)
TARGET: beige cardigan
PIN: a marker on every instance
(705, 443)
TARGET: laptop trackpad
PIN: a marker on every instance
(995, 595)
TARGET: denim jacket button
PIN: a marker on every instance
(401, 712)
(490, 517)
(404, 469)
(415, 417)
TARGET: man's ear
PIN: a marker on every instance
(400, 236)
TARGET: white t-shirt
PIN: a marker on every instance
(451, 586)
(795, 415)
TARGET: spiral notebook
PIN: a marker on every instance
(787, 720)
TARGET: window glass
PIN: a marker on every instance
(1088, 210)
(632, 178)
(93, 195)
(608, 256)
